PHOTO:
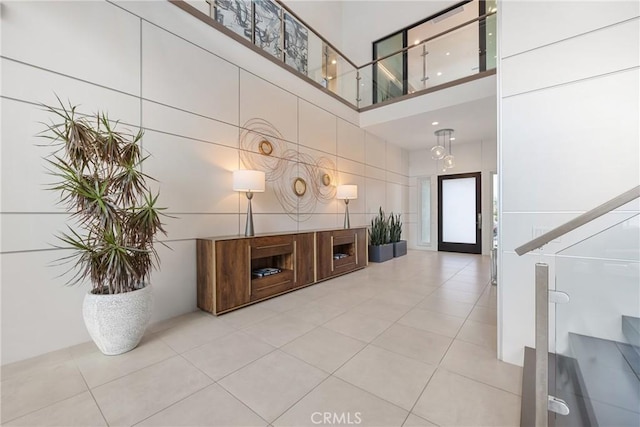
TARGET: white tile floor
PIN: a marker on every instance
(410, 342)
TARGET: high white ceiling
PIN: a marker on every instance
(471, 121)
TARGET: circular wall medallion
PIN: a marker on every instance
(326, 179)
(265, 147)
(299, 187)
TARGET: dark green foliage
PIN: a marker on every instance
(101, 183)
(379, 234)
(395, 228)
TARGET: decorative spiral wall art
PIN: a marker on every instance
(299, 180)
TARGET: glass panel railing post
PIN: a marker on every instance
(358, 78)
(542, 344)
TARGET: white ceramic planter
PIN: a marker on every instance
(117, 322)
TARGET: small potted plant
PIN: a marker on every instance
(395, 234)
(101, 183)
(380, 247)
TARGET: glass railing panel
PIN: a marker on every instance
(316, 59)
(491, 52)
(345, 84)
(374, 89)
(235, 15)
(448, 58)
(267, 31)
(597, 333)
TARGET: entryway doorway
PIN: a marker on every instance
(459, 213)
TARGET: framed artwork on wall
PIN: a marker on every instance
(235, 15)
(268, 27)
(296, 42)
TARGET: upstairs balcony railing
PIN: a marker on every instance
(463, 52)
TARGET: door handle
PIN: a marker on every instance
(479, 221)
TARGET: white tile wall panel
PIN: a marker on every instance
(165, 119)
(39, 313)
(375, 173)
(174, 283)
(345, 165)
(41, 34)
(617, 47)
(394, 200)
(38, 86)
(590, 125)
(350, 141)
(375, 151)
(24, 177)
(394, 159)
(321, 221)
(397, 178)
(191, 226)
(521, 21)
(269, 223)
(375, 195)
(178, 73)
(317, 127)
(260, 99)
(192, 176)
(29, 232)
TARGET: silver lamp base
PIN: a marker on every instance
(347, 224)
(248, 229)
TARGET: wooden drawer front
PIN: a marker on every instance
(271, 285)
(263, 247)
(344, 263)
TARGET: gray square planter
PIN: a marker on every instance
(399, 248)
(381, 253)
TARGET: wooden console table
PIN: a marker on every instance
(225, 264)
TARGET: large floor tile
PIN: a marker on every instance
(163, 325)
(357, 326)
(484, 315)
(415, 343)
(78, 411)
(314, 292)
(479, 333)
(98, 369)
(227, 354)
(431, 321)
(212, 406)
(455, 295)
(285, 302)
(324, 348)
(481, 364)
(280, 329)
(341, 299)
(188, 335)
(388, 375)
(272, 384)
(341, 402)
(316, 313)
(382, 309)
(415, 421)
(395, 296)
(39, 388)
(246, 316)
(489, 297)
(27, 366)
(446, 306)
(135, 397)
(453, 400)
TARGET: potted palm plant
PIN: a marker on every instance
(395, 234)
(101, 183)
(380, 247)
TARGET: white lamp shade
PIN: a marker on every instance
(347, 192)
(248, 180)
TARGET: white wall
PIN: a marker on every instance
(569, 132)
(477, 156)
(191, 89)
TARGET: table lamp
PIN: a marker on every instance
(346, 193)
(249, 182)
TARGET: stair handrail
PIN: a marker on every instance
(579, 221)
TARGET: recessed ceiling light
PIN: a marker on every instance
(333, 61)
(490, 34)
(329, 77)
(448, 53)
(434, 123)
(416, 42)
(453, 138)
(439, 73)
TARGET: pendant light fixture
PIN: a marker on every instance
(439, 152)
